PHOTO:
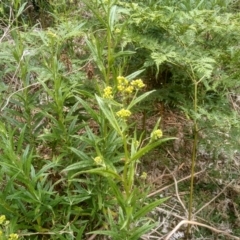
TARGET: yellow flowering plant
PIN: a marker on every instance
(5, 233)
(126, 88)
(123, 148)
(123, 113)
(156, 134)
(108, 92)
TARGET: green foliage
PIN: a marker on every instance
(188, 44)
(6, 229)
(69, 148)
(58, 173)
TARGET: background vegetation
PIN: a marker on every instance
(119, 119)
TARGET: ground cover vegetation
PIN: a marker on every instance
(119, 119)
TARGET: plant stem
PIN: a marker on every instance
(194, 150)
(126, 166)
(109, 44)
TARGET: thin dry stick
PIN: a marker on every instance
(92, 237)
(19, 90)
(8, 27)
(10, 23)
(44, 233)
(166, 187)
(50, 233)
(232, 102)
(177, 194)
(5, 33)
(205, 205)
(202, 225)
(77, 70)
(172, 155)
(169, 213)
(146, 236)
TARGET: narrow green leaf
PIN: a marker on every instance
(136, 235)
(26, 159)
(117, 193)
(21, 9)
(89, 110)
(79, 231)
(156, 125)
(78, 166)
(113, 234)
(20, 139)
(83, 156)
(109, 115)
(96, 51)
(101, 171)
(12, 167)
(75, 31)
(112, 17)
(45, 168)
(148, 208)
(124, 53)
(135, 74)
(140, 98)
(148, 147)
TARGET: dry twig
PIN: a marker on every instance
(205, 205)
(168, 186)
(202, 225)
(177, 194)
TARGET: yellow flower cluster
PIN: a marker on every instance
(12, 236)
(122, 83)
(98, 160)
(52, 34)
(144, 175)
(107, 93)
(128, 89)
(156, 134)
(125, 87)
(124, 113)
(138, 84)
(117, 30)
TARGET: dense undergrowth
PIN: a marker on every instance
(79, 81)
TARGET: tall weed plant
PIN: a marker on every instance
(69, 156)
(71, 88)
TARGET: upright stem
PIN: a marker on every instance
(126, 166)
(109, 56)
(194, 150)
